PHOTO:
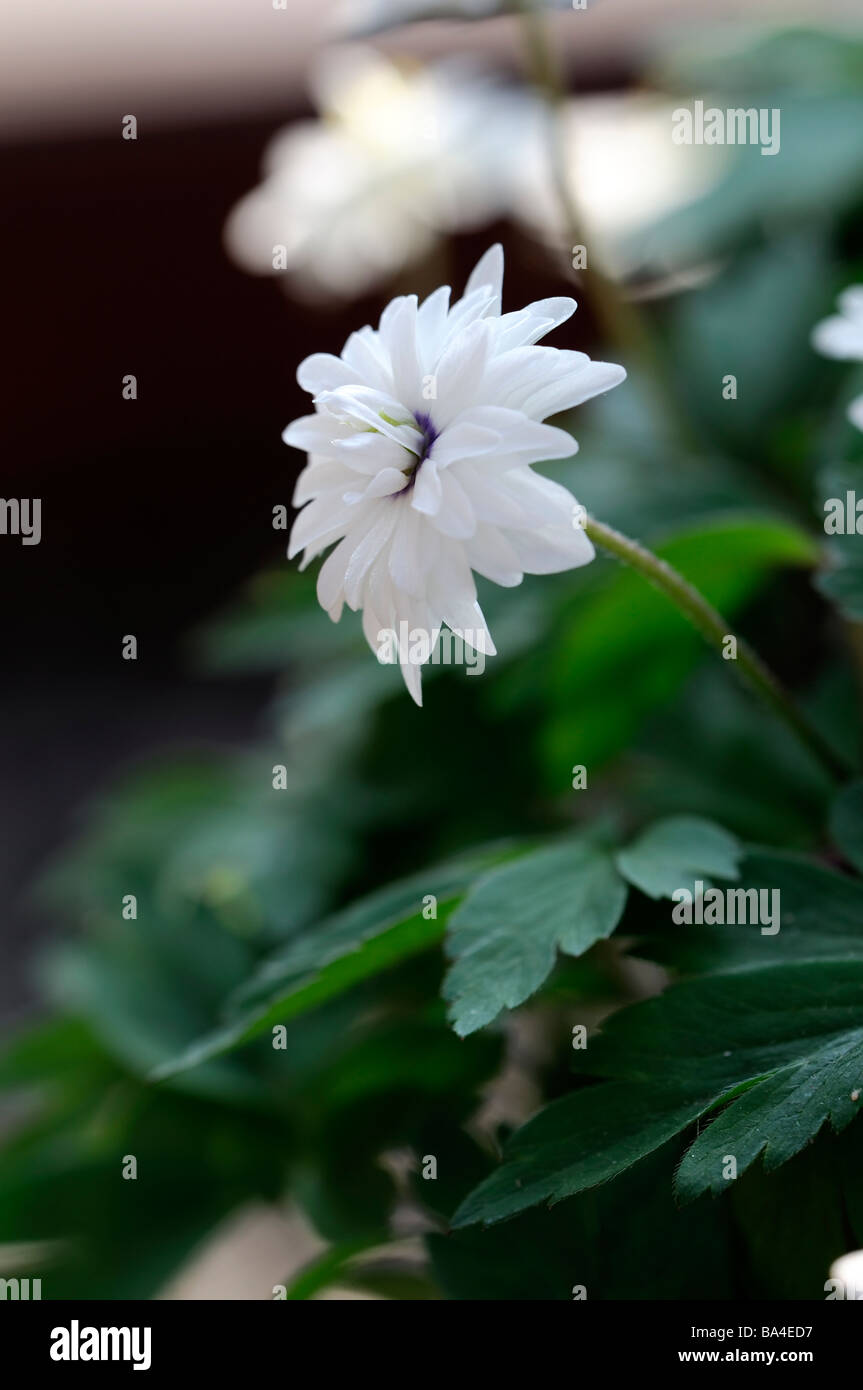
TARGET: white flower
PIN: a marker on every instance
(848, 1272)
(420, 453)
(622, 171)
(842, 336)
(370, 16)
(399, 156)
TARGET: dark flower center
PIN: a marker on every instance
(429, 434)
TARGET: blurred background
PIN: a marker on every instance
(157, 512)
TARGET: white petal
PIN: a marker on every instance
(315, 433)
(519, 498)
(366, 408)
(460, 372)
(462, 440)
(321, 522)
(427, 488)
(839, 337)
(490, 554)
(851, 302)
(319, 475)
(552, 549)
(532, 323)
(470, 309)
(331, 578)
(455, 516)
(364, 354)
(488, 271)
(324, 372)
(366, 553)
(571, 389)
(855, 412)
(367, 451)
(406, 552)
(431, 326)
(384, 484)
(398, 333)
(521, 440)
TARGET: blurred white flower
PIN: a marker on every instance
(371, 16)
(420, 453)
(847, 1271)
(841, 336)
(398, 158)
(622, 170)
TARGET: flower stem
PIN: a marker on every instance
(715, 630)
(618, 319)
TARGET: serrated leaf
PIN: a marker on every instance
(782, 1048)
(578, 1142)
(673, 852)
(778, 1116)
(505, 936)
(659, 1251)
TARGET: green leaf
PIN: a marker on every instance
(818, 171)
(115, 1238)
(673, 852)
(626, 649)
(371, 935)
(505, 936)
(782, 1048)
(793, 1223)
(821, 913)
(51, 1052)
(846, 823)
(841, 581)
(140, 1016)
(757, 314)
(578, 1142)
(659, 1251)
(822, 1082)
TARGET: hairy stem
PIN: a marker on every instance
(715, 630)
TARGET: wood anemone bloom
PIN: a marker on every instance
(841, 336)
(420, 452)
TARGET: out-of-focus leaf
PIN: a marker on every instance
(818, 171)
(140, 1016)
(362, 940)
(626, 649)
(754, 323)
(121, 1237)
(666, 1253)
(841, 580)
(846, 823)
(723, 755)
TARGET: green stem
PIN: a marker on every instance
(617, 317)
(325, 1268)
(714, 628)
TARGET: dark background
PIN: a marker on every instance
(153, 510)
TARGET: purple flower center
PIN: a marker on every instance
(428, 431)
(429, 435)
